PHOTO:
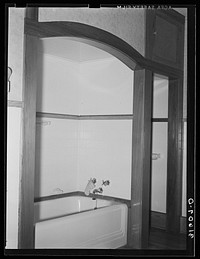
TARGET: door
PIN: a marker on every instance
(166, 186)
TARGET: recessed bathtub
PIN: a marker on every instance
(80, 222)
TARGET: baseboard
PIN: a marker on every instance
(158, 220)
(183, 226)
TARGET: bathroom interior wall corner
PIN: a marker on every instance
(69, 152)
(57, 85)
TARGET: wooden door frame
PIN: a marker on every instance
(174, 156)
(140, 194)
(175, 115)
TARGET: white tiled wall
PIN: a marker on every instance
(102, 86)
(56, 156)
(57, 90)
(105, 153)
(69, 152)
(106, 87)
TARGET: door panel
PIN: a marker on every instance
(165, 37)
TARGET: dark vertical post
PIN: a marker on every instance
(26, 206)
(32, 13)
(174, 163)
(141, 160)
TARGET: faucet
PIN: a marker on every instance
(91, 185)
(99, 190)
(106, 182)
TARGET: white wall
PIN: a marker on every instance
(106, 87)
(105, 153)
(56, 156)
(15, 51)
(160, 96)
(14, 121)
(57, 85)
(13, 172)
(70, 152)
(159, 167)
(99, 86)
(159, 144)
(126, 23)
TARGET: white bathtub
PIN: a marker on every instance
(73, 222)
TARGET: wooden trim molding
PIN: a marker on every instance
(141, 160)
(107, 117)
(86, 33)
(17, 104)
(32, 13)
(56, 115)
(159, 119)
(79, 193)
(174, 163)
(26, 204)
(158, 220)
(100, 39)
(85, 117)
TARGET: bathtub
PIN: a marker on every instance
(80, 222)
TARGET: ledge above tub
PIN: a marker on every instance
(79, 193)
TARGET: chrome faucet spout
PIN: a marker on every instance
(99, 190)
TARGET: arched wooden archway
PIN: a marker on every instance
(141, 127)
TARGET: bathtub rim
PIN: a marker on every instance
(82, 194)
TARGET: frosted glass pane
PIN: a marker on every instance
(159, 167)
(160, 97)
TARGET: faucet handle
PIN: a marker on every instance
(106, 182)
(93, 180)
